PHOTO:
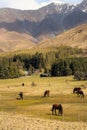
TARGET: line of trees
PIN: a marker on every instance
(70, 66)
(56, 63)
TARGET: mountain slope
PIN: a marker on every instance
(76, 37)
(11, 41)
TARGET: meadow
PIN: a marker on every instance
(34, 105)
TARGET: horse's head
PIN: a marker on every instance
(60, 109)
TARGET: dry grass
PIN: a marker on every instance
(13, 41)
(13, 121)
(75, 108)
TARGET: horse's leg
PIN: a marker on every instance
(61, 113)
(82, 95)
(58, 112)
(55, 112)
(52, 113)
(48, 94)
(44, 94)
(78, 95)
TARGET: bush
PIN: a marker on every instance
(80, 75)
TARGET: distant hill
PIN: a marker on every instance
(76, 37)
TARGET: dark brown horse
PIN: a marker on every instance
(80, 93)
(23, 84)
(21, 95)
(76, 89)
(46, 93)
(57, 107)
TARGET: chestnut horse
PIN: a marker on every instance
(46, 93)
(57, 107)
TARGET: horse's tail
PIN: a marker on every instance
(73, 90)
(52, 108)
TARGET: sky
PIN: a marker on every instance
(32, 4)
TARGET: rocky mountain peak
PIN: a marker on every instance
(57, 8)
(83, 5)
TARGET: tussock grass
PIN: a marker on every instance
(61, 88)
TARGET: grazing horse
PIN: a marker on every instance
(57, 107)
(80, 93)
(21, 95)
(76, 89)
(22, 84)
(46, 93)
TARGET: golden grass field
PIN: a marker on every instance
(61, 91)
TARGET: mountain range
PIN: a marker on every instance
(25, 29)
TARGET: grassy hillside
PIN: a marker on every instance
(61, 88)
(76, 37)
(13, 41)
(62, 50)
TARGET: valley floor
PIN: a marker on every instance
(14, 121)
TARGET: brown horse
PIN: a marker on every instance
(76, 89)
(21, 95)
(80, 93)
(57, 107)
(23, 84)
(46, 93)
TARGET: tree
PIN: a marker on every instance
(55, 71)
(37, 60)
(61, 68)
